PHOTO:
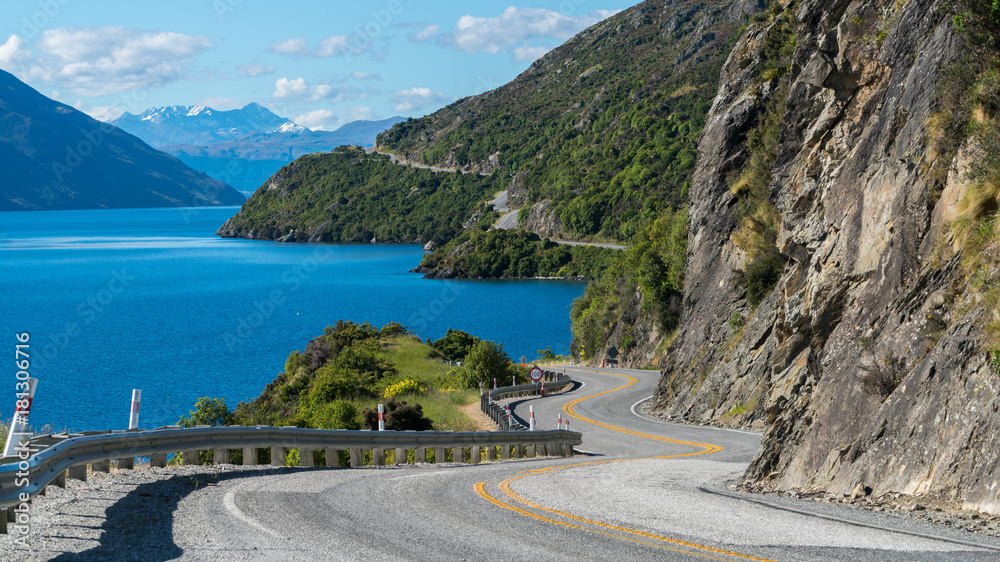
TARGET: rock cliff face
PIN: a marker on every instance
(866, 292)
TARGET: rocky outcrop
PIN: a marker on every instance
(864, 293)
(542, 220)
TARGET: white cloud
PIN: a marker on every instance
(425, 34)
(518, 28)
(97, 61)
(316, 120)
(365, 76)
(222, 104)
(100, 112)
(417, 98)
(254, 69)
(285, 88)
(333, 45)
(288, 47)
(358, 113)
(530, 54)
(11, 50)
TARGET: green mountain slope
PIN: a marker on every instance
(605, 126)
(350, 196)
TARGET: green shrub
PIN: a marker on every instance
(207, 411)
(399, 416)
(487, 360)
(455, 344)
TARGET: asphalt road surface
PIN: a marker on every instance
(644, 490)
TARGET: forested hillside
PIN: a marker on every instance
(350, 196)
(605, 126)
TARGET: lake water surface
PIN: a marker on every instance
(151, 299)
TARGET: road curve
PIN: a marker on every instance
(645, 490)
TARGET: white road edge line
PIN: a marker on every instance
(230, 504)
(638, 415)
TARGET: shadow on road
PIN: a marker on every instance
(139, 526)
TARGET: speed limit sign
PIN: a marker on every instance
(535, 373)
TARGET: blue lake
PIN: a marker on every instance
(150, 298)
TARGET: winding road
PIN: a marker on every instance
(645, 490)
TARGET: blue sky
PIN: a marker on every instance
(320, 63)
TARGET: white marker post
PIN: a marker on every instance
(531, 418)
(513, 380)
(133, 418)
(381, 417)
(19, 425)
(480, 388)
(559, 422)
(494, 383)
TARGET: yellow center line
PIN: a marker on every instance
(705, 448)
(481, 490)
(570, 410)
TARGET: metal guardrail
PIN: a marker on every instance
(551, 381)
(59, 453)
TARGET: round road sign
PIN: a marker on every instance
(535, 373)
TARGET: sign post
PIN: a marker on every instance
(133, 418)
(19, 425)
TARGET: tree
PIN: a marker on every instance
(455, 345)
(486, 360)
(207, 411)
(393, 329)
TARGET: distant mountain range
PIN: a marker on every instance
(243, 147)
(198, 125)
(55, 157)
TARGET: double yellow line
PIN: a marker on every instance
(576, 522)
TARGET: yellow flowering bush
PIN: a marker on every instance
(405, 386)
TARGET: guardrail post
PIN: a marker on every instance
(529, 451)
(78, 472)
(519, 451)
(357, 458)
(475, 454)
(541, 450)
(61, 479)
(400, 456)
(567, 450)
(420, 454)
(158, 459)
(3, 521)
(378, 456)
(505, 452)
(277, 455)
(101, 466)
(250, 456)
(332, 458)
(491, 453)
(439, 455)
(127, 462)
(220, 456)
(306, 458)
(189, 458)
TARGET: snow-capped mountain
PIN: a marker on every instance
(56, 157)
(199, 125)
